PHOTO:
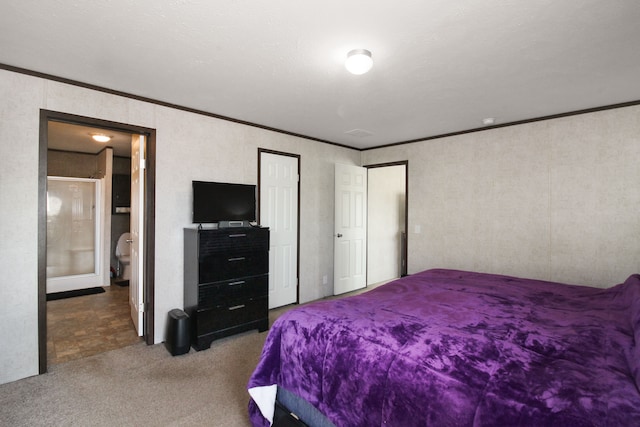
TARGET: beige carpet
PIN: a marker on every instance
(143, 385)
(140, 385)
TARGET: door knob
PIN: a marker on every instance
(338, 235)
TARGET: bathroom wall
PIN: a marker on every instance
(77, 165)
(105, 171)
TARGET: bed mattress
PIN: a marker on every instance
(456, 348)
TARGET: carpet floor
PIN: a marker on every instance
(140, 385)
(143, 385)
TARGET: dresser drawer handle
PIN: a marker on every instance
(237, 259)
(236, 307)
(237, 235)
(240, 282)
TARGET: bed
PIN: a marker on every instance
(456, 348)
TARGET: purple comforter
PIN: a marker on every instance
(453, 348)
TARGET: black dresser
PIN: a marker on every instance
(226, 279)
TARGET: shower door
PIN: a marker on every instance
(73, 234)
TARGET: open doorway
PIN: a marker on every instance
(387, 203)
(370, 240)
(68, 154)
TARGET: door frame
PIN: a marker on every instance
(404, 253)
(149, 220)
(297, 156)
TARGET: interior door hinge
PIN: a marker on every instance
(141, 308)
(143, 163)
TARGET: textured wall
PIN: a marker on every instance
(556, 200)
(77, 165)
(19, 133)
(189, 146)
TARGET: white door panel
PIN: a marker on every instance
(350, 238)
(136, 297)
(279, 212)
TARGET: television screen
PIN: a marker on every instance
(219, 201)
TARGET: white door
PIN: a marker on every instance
(350, 238)
(136, 281)
(279, 212)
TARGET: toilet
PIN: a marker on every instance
(123, 252)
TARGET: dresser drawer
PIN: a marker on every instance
(226, 276)
(224, 293)
(229, 266)
(214, 319)
(233, 240)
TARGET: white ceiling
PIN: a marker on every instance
(440, 66)
(70, 137)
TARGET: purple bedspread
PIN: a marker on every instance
(454, 348)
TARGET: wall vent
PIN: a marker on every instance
(360, 133)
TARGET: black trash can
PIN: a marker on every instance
(178, 339)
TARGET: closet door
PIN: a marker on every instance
(279, 212)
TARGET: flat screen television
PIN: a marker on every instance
(220, 201)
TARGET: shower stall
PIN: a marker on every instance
(74, 233)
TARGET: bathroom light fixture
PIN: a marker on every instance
(100, 137)
(358, 61)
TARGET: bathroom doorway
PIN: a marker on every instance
(85, 325)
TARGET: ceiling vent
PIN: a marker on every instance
(360, 133)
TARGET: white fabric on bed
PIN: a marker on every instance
(265, 398)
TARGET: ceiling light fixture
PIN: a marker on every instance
(488, 121)
(358, 61)
(100, 137)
